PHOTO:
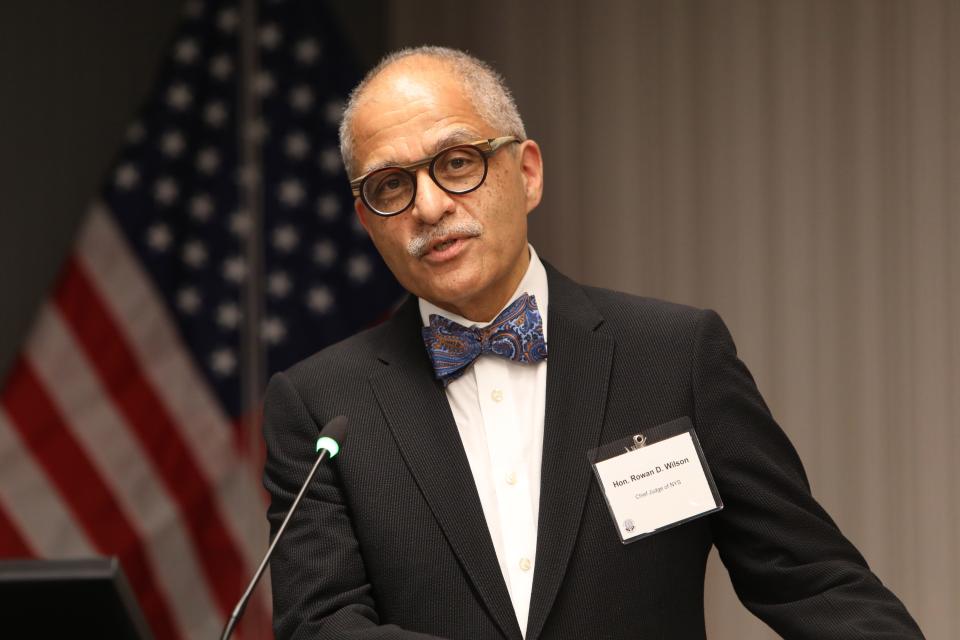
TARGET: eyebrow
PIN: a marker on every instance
(451, 139)
(455, 137)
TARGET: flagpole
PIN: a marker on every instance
(252, 357)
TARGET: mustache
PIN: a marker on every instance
(419, 245)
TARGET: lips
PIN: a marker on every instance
(440, 246)
(446, 248)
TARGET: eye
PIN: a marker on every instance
(388, 190)
(388, 184)
(459, 162)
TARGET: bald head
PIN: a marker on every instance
(405, 70)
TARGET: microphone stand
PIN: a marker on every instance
(327, 444)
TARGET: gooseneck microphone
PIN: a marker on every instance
(328, 444)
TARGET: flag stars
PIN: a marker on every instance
(328, 207)
(172, 144)
(279, 284)
(189, 300)
(257, 131)
(165, 191)
(193, 9)
(291, 192)
(208, 161)
(325, 253)
(248, 175)
(194, 254)
(215, 114)
(159, 237)
(201, 207)
(273, 331)
(235, 269)
(320, 300)
(223, 362)
(270, 36)
(221, 67)
(179, 97)
(126, 176)
(228, 20)
(186, 51)
(264, 84)
(229, 316)
(359, 268)
(307, 51)
(285, 238)
(296, 145)
(301, 98)
(330, 160)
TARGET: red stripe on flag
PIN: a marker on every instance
(46, 434)
(13, 544)
(106, 347)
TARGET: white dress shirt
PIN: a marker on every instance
(498, 406)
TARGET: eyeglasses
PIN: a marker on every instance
(457, 170)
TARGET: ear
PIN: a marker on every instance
(531, 170)
(362, 214)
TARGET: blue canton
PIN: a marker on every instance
(175, 193)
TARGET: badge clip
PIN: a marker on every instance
(639, 440)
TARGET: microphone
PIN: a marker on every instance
(327, 444)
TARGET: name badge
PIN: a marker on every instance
(654, 485)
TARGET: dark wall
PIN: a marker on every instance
(71, 76)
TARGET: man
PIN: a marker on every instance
(464, 504)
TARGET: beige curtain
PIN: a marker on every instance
(796, 166)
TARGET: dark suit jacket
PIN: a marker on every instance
(391, 540)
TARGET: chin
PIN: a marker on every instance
(457, 294)
(450, 297)
(454, 280)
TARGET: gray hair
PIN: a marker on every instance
(484, 87)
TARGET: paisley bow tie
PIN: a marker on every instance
(515, 334)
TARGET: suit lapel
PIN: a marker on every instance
(419, 417)
(578, 373)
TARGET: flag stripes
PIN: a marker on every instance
(73, 386)
(131, 300)
(33, 504)
(11, 537)
(50, 441)
(147, 418)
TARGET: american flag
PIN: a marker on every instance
(120, 421)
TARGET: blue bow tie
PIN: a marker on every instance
(515, 334)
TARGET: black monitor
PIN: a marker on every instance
(86, 598)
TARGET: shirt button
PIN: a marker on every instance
(525, 564)
(497, 395)
(511, 478)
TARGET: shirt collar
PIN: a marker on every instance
(534, 282)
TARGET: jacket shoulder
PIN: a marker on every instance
(347, 359)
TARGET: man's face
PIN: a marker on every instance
(465, 253)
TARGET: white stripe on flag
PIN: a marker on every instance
(73, 387)
(163, 359)
(34, 504)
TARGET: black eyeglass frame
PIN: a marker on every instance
(486, 147)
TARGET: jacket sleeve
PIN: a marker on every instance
(789, 563)
(320, 588)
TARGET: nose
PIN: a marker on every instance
(431, 202)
